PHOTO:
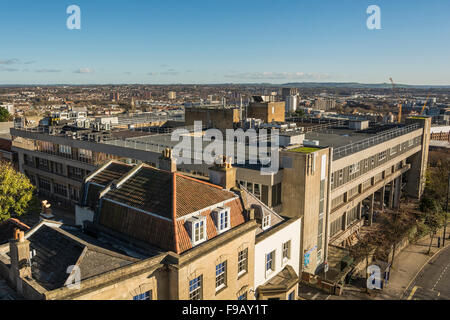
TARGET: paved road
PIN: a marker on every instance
(433, 283)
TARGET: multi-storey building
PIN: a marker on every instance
(335, 187)
(267, 111)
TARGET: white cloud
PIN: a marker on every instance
(9, 61)
(84, 70)
(47, 71)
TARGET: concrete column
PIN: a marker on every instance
(360, 205)
(391, 194)
(345, 220)
(383, 191)
(372, 200)
(397, 192)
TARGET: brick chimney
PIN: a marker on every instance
(166, 162)
(223, 174)
(19, 251)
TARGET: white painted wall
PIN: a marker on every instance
(275, 243)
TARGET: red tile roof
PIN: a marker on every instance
(150, 205)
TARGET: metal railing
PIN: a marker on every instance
(344, 151)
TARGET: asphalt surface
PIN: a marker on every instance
(433, 282)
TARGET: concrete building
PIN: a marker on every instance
(291, 104)
(267, 111)
(337, 186)
(172, 95)
(213, 116)
(286, 92)
(324, 104)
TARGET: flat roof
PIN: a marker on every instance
(337, 137)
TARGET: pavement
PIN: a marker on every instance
(433, 281)
(411, 262)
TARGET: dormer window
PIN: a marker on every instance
(262, 217)
(197, 226)
(222, 219)
(266, 222)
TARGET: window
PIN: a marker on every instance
(335, 226)
(291, 295)
(223, 220)
(322, 197)
(332, 178)
(354, 168)
(221, 275)
(44, 184)
(411, 143)
(199, 231)
(195, 289)
(393, 151)
(57, 168)
(341, 175)
(197, 228)
(243, 296)
(65, 149)
(366, 163)
(286, 251)
(266, 222)
(257, 191)
(221, 216)
(382, 156)
(270, 262)
(60, 189)
(242, 261)
(144, 296)
(85, 155)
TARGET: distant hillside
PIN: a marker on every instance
(356, 85)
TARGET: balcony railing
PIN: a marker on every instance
(346, 150)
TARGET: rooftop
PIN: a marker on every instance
(152, 205)
(57, 249)
(304, 149)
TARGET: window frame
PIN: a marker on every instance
(286, 251)
(221, 276)
(196, 288)
(242, 262)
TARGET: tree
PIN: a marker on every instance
(396, 227)
(364, 249)
(16, 193)
(437, 181)
(300, 113)
(4, 115)
(432, 217)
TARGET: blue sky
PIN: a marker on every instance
(217, 41)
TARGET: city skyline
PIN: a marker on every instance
(234, 42)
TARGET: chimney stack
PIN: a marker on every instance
(223, 174)
(166, 162)
(19, 251)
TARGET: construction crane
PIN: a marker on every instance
(425, 105)
(399, 104)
